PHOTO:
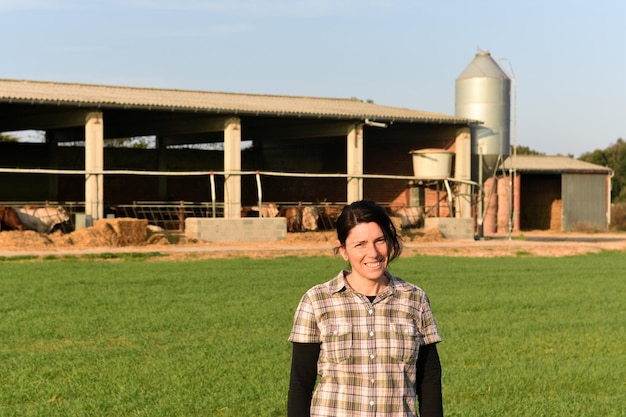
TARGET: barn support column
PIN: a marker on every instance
(463, 172)
(94, 165)
(232, 168)
(355, 163)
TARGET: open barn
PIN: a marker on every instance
(215, 153)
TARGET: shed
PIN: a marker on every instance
(549, 193)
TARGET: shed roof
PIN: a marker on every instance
(552, 164)
(103, 96)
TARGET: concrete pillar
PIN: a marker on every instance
(355, 163)
(463, 171)
(417, 196)
(94, 162)
(232, 168)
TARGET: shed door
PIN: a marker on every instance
(585, 202)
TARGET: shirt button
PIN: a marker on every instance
(371, 403)
(372, 357)
(371, 334)
(370, 311)
(373, 381)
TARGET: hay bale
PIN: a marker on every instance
(158, 239)
(89, 237)
(16, 239)
(124, 231)
(424, 235)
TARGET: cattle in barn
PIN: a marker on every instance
(9, 220)
(42, 219)
(267, 210)
(328, 215)
(294, 218)
(300, 218)
(310, 217)
(410, 216)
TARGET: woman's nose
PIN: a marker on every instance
(372, 251)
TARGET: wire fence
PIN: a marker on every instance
(171, 215)
(167, 215)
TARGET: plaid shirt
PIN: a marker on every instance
(368, 351)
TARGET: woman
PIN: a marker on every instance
(369, 335)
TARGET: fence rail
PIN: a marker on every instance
(171, 215)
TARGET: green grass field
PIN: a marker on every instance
(523, 336)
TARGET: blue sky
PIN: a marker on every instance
(568, 58)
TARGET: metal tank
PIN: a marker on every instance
(483, 93)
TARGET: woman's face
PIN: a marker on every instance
(366, 250)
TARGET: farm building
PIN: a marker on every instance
(257, 147)
(220, 154)
(547, 193)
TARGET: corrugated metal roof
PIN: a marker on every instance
(102, 96)
(544, 164)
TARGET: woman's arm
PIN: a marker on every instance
(428, 383)
(302, 381)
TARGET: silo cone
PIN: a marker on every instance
(483, 93)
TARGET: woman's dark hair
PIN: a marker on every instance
(367, 211)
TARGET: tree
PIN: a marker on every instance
(7, 138)
(525, 150)
(613, 157)
(137, 142)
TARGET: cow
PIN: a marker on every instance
(42, 219)
(328, 215)
(267, 210)
(294, 218)
(310, 217)
(9, 220)
(300, 219)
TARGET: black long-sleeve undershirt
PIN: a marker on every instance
(304, 375)
(428, 382)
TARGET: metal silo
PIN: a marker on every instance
(483, 93)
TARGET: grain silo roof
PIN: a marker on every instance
(103, 96)
(552, 164)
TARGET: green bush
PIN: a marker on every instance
(618, 216)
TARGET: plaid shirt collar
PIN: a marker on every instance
(339, 284)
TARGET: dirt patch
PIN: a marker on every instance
(132, 235)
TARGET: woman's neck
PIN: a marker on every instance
(367, 286)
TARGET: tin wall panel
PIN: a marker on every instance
(584, 202)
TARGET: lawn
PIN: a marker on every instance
(526, 336)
